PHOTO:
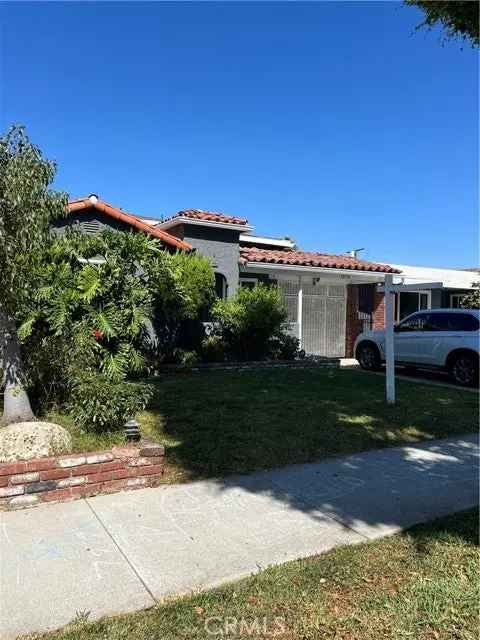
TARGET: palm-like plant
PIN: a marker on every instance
(89, 325)
(95, 294)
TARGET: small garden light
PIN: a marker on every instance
(132, 430)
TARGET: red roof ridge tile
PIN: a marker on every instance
(135, 221)
(208, 216)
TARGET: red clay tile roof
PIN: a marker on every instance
(134, 221)
(309, 259)
(209, 216)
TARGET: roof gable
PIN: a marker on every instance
(93, 202)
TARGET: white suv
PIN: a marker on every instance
(445, 339)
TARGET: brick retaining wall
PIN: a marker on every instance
(29, 482)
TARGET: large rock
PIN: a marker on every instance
(27, 440)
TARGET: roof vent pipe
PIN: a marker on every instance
(353, 253)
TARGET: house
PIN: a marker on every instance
(329, 298)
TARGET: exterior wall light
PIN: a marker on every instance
(132, 430)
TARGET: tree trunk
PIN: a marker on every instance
(16, 405)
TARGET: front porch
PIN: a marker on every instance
(324, 305)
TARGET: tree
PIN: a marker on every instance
(472, 300)
(28, 205)
(459, 18)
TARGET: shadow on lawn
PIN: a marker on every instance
(465, 528)
(217, 433)
(237, 423)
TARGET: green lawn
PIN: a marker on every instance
(222, 422)
(420, 585)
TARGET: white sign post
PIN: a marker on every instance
(389, 342)
(390, 289)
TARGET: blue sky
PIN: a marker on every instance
(330, 122)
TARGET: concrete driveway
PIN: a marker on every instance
(117, 553)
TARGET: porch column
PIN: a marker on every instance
(300, 311)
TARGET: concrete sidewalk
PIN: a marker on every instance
(122, 552)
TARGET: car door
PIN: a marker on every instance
(429, 338)
(407, 337)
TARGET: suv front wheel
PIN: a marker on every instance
(464, 369)
(368, 356)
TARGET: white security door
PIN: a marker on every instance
(323, 320)
(313, 324)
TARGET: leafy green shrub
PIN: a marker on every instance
(249, 320)
(186, 358)
(178, 311)
(48, 360)
(99, 404)
(194, 275)
(102, 308)
(284, 346)
(471, 300)
(93, 319)
(213, 349)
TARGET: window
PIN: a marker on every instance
(455, 300)
(366, 298)
(440, 322)
(452, 322)
(437, 322)
(248, 282)
(415, 323)
(411, 301)
(463, 322)
(221, 286)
